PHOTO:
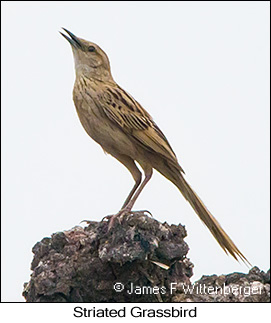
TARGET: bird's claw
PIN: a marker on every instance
(143, 212)
(87, 221)
(119, 216)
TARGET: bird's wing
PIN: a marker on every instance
(124, 110)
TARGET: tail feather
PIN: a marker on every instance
(207, 218)
(174, 175)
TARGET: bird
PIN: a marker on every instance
(126, 131)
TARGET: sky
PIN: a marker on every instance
(201, 69)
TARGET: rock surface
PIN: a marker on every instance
(235, 287)
(139, 260)
(84, 264)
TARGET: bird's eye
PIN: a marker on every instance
(91, 49)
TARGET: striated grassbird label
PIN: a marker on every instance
(136, 312)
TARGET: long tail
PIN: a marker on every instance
(212, 224)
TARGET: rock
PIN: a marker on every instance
(83, 264)
(235, 287)
(139, 260)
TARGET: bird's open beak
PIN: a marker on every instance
(74, 41)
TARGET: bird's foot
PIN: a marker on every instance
(114, 217)
(119, 216)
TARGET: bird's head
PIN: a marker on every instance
(90, 60)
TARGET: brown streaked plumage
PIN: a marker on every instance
(116, 121)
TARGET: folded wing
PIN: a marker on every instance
(124, 110)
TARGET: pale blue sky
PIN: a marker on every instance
(202, 72)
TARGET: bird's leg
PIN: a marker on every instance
(129, 163)
(131, 203)
(128, 207)
(137, 183)
(112, 217)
